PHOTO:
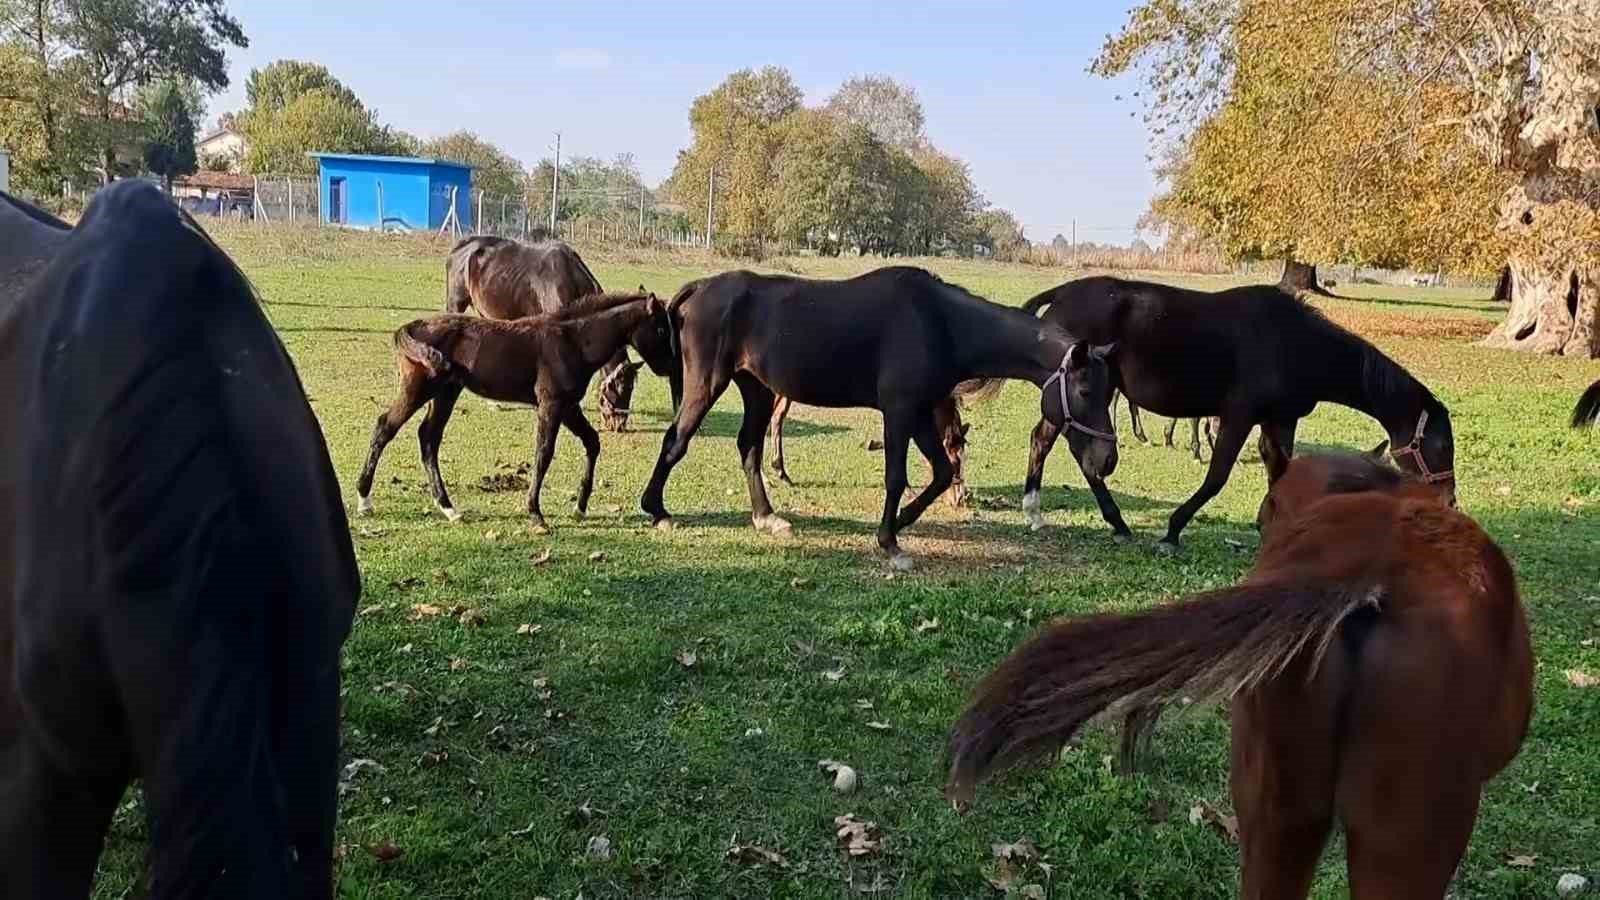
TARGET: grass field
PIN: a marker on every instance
(501, 752)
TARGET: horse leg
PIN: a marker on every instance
(1172, 426)
(932, 447)
(551, 411)
(1136, 728)
(699, 396)
(1229, 443)
(1194, 439)
(758, 401)
(897, 430)
(429, 435)
(413, 394)
(1138, 427)
(53, 823)
(1109, 510)
(1044, 437)
(585, 433)
(780, 414)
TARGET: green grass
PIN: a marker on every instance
(593, 711)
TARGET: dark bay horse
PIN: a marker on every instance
(546, 360)
(1379, 667)
(1587, 412)
(507, 279)
(946, 418)
(178, 579)
(1210, 423)
(1250, 356)
(898, 340)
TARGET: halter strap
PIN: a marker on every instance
(1414, 450)
(1059, 376)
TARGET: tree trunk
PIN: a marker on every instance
(1502, 287)
(1553, 296)
(1299, 276)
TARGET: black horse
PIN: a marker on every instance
(176, 575)
(897, 340)
(1251, 356)
(1587, 412)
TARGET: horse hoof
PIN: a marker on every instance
(775, 525)
(664, 523)
(1166, 547)
(538, 526)
(450, 513)
(901, 562)
(1122, 537)
(364, 506)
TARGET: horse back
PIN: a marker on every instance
(507, 279)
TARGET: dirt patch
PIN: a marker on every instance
(508, 479)
(1444, 328)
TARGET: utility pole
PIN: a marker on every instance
(1074, 242)
(555, 186)
(711, 204)
(641, 211)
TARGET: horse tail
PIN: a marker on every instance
(424, 354)
(674, 323)
(1220, 642)
(1587, 412)
(1039, 301)
(977, 390)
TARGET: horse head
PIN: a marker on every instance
(1076, 398)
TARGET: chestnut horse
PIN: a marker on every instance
(946, 417)
(176, 574)
(507, 279)
(545, 360)
(1587, 412)
(1250, 355)
(898, 340)
(1379, 667)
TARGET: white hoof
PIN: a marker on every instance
(1030, 510)
(665, 523)
(901, 562)
(364, 506)
(775, 525)
(450, 513)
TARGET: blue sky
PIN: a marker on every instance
(1003, 83)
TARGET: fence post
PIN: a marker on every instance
(711, 203)
(641, 212)
(288, 181)
(380, 207)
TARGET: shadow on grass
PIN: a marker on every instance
(362, 307)
(721, 424)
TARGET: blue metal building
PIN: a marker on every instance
(392, 192)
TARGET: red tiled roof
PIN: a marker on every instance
(220, 181)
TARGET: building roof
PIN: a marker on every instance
(221, 181)
(220, 132)
(407, 160)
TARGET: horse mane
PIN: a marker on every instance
(1380, 375)
(1355, 473)
(593, 304)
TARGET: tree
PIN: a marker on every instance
(494, 171)
(294, 108)
(999, 233)
(169, 132)
(87, 57)
(1431, 132)
(887, 107)
(271, 88)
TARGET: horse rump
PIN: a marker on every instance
(413, 342)
(1587, 412)
(1075, 670)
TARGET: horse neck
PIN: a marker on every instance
(1363, 378)
(993, 341)
(601, 335)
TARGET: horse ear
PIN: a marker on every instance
(636, 366)
(965, 427)
(652, 303)
(1104, 351)
(1378, 451)
(1077, 355)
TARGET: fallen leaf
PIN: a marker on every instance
(1503, 490)
(753, 732)
(586, 813)
(799, 583)
(523, 832)
(686, 658)
(529, 629)
(433, 758)
(1570, 884)
(457, 664)
(357, 766)
(1237, 545)
(879, 726)
(374, 609)
(491, 535)
(542, 558)
(844, 777)
(927, 625)
(472, 618)
(1580, 678)
(863, 703)
(599, 848)
(1003, 876)
(834, 674)
(755, 855)
(385, 851)
(433, 729)
(421, 611)
(597, 556)
(1203, 812)
(1020, 851)
(857, 837)
(1031, 892)
(1522, 860)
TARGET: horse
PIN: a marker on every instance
(1379, 667)
(898, 340)
(507, 279)
(1210, 423)
(1587, 412)
(947, 418)
(1251, 356)
(178, 577)
(546, 360)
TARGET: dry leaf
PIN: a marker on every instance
(528, 629)
(373, 609)
(357, 766)
(425, 611)
(434, 729)
(755, 855)
(927, 625)
(1570, 884)
(1021, 851)
(834, 674)
(863, 703)
(879, 726)
(844, 777)
(542, 558)
(523, 832)
(433, 758)
(1031, 892)
(1580, 678)
(385, 851)
(799, 583)
(491, 535)
(597, 556)
(1522, 860)
(857, 837)
(686, 658)
(1003, 876)
(1203, 812)
(599, 848)
(472, 618)
(457, 664)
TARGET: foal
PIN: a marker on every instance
(1378, 663)
(544, 360)
(946, 417)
